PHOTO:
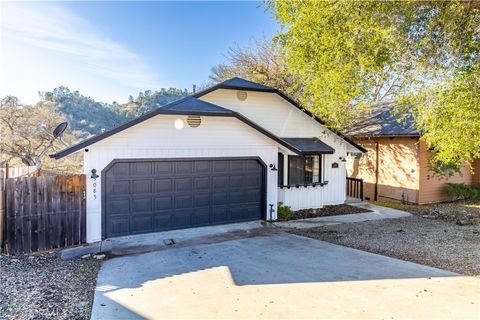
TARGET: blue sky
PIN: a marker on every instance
(110, 50)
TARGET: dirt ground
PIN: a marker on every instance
(439, 242)
(333, 210)
(42, 286)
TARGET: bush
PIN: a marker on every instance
(462, 191)
(284, 212)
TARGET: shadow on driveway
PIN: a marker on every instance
(276, 276)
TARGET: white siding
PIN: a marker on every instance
(275, 114)
(302, 197)
(157, 138)
(278, 116)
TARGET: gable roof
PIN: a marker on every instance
(242, 84)
(382, 121)
(185, 106)
(192, 106)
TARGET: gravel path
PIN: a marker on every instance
(42, 286)
(436, 243)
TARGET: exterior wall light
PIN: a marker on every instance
(273, 167)
(94, 174)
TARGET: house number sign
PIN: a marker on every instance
(94, 176)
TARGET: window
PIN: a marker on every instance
(303, 169)
(280, 169)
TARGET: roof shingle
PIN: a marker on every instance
(383, 121)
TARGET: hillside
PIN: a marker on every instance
(90, 117)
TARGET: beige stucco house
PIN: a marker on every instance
(395, 168)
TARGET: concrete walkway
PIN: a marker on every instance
(378, 213)
(278, 276)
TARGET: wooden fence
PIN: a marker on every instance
(43, 213)
(355, 188)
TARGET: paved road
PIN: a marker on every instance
(278, 276)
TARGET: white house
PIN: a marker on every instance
(226, 154)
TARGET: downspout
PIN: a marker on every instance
(322, 180)
(377, 161)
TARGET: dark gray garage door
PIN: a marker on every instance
(154, 195)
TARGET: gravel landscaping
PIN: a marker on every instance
(459, 212)
(334, 210)
(436, 243)
(42, 286)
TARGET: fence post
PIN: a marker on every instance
(2, 212)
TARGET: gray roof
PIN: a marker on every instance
(242, 84)
(383, 121)
(246, 84)
(310, 145)
(192, 104)
(186, 106)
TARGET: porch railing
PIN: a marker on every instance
(355, 188)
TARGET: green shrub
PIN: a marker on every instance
(284, 212)
(462, 191)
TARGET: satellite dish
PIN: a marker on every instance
(60, 129)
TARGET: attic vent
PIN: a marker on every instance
(242, 95)
(194, 121)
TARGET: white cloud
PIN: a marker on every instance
(43, 46)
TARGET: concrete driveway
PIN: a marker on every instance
(277, 275)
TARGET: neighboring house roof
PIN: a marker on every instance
(242, 84)
(185, 106)
(382, 121)
(310, 145)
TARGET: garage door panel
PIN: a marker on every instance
(237, 165)
(236, 181)
(141, 223)
(141, 205)
(219, 198)
(183, 167)
(181, 218)
(121, 187)
(201, 200)
(201, 216)
(252, 165)
(119, 169)
(203, 166)
(219, 213)
(146, 196)
(142, 186)
(236, 196)
(184, 201)
(220, 182)
(119, 225)
(141, 169)
(183, 184)
(163, 185)
(162, 221)
(163, 203)
(220, 166)
(235, 213)
(202, 183)
(163, 167)
(250, 211)
(250, 195)
(252, 180)
(118, 206)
